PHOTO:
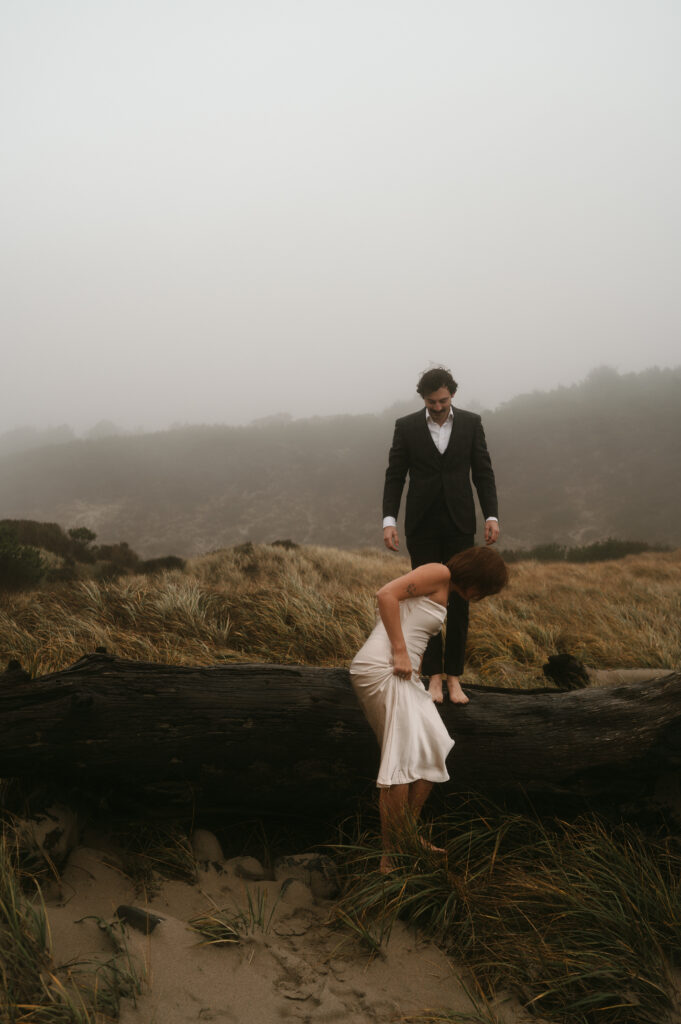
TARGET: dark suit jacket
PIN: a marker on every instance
(431, 474)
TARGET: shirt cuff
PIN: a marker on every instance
(389, 521)
(492, 519)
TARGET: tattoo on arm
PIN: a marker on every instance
(411, 589)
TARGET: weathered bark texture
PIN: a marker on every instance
(269, 738)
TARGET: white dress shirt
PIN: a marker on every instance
(440, 434)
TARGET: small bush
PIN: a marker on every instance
(48, 536)
(539, 553)
(81, 535)
(20, 566)
(166, 563)
(65, 573)
(75, 545)
(120, 554)
(81, 540)
(105, 572)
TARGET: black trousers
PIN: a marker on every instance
(437, 540)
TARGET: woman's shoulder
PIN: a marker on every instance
(431, 577)
(435, 570)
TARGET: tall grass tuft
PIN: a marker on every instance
(580, 921)
(24, 959)
(148, 853)
(32, 990)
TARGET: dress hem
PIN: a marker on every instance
(417, 778)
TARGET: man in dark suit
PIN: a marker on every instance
(441, 448)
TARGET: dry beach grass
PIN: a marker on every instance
(571, 922)
(316, 605)
(578, 921)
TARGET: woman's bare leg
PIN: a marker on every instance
(392, 804)
(395, 805)
(419, 792)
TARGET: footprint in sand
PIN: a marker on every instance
(299, 980)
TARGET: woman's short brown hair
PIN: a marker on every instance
(479, 569)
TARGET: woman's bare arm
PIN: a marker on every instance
(430, 580)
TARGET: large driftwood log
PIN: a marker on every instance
(266, 738)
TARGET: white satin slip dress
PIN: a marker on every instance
(414, 741)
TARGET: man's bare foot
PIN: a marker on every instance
(386, 865)
(435, 689)
(456, 694)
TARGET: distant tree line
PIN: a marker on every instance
(574, 466)
(600, 551)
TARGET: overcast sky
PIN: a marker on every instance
(220, 210)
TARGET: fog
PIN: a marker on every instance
(219, 211)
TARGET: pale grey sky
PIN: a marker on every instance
(217, 210)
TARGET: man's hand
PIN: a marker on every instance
(491, 531)
(391, 539)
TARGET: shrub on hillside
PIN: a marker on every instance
(67, 572)
(164, 564)
(105, 572)
(20, 566)
(540, 553)
(81, 535)
(81, 544)
(48, 536)
(120, 555)
(76, 544)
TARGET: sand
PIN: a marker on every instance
(293, 961)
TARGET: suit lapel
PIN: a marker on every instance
(454, 437)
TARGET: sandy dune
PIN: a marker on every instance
(292, 961)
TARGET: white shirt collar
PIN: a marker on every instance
(449, 419)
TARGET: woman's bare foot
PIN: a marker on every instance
(430, 847)
(456, 694)
(435, 689)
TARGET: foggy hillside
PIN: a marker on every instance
(573, 465)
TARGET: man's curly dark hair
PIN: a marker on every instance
(434, 379)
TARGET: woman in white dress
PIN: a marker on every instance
(385, 676)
